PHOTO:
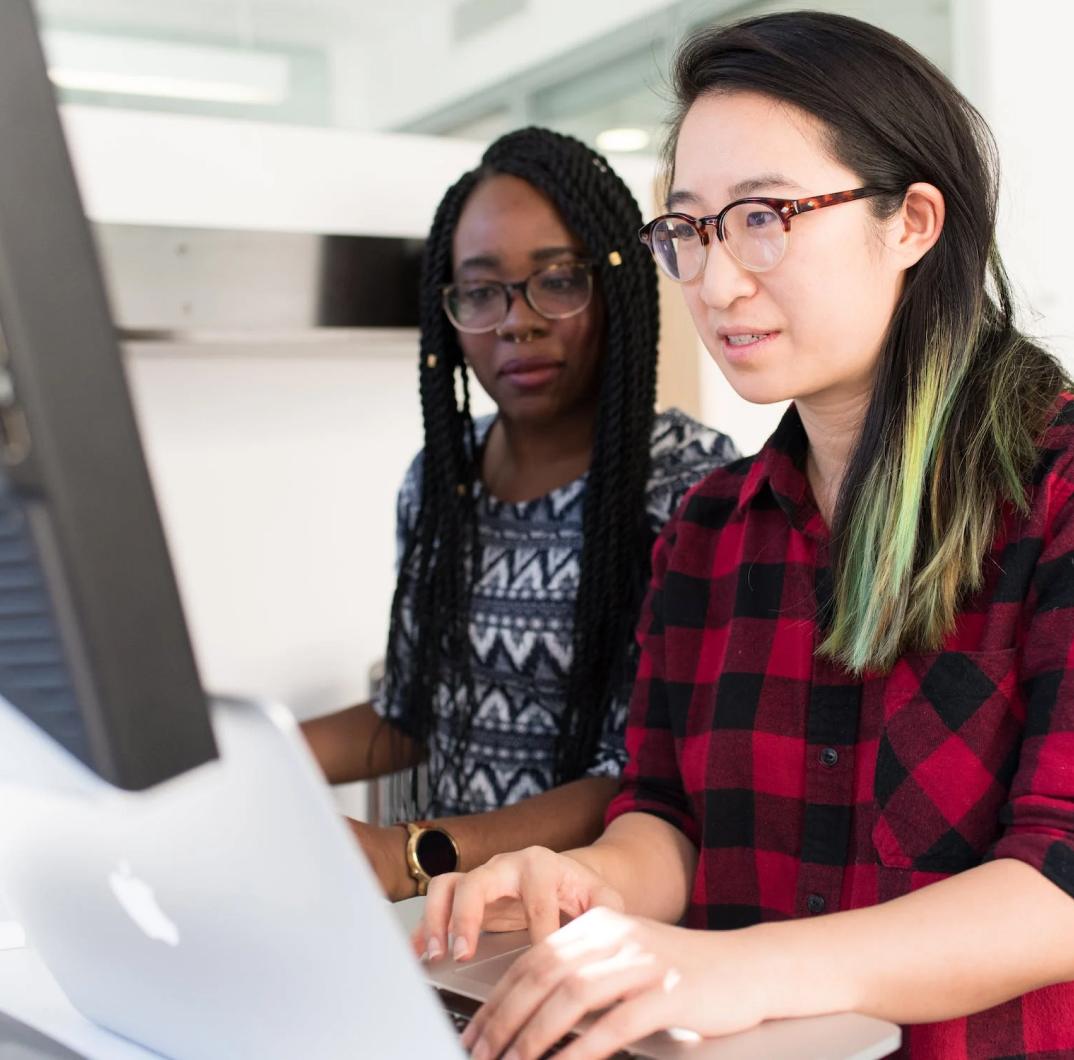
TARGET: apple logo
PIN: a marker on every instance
(140, 904)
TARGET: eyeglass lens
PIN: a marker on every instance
(557, 292)
(752, 233)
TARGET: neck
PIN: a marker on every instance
(833, 425)
(526, 459)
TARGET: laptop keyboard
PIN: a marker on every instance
(461, 1009)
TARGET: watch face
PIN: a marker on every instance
(436, 852)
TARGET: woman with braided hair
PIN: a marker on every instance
(524, 537)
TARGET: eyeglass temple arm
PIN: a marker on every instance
(818, 202)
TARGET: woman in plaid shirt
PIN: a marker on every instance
(852, 732)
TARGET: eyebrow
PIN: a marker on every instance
(487, 261)
(741, 190)
(479, 262)
(545, 253)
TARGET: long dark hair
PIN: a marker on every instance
(441, 556)
(960, 397)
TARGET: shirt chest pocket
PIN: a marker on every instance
(948, 748)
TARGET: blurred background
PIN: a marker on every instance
(260, 174)
(461, 68)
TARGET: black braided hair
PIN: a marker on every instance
(441, 555)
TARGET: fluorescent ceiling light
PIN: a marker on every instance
(624, 139)
(131, 67)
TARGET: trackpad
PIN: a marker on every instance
(491, 971)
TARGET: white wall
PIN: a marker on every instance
(138, 167)
(1013, 62)
(276, 473)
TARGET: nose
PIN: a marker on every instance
(723, 280)
(522, 318)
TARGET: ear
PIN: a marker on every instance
(917, 224)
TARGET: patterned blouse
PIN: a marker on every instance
(522, 622)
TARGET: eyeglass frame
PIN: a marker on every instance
(785, 209)
(522, 287)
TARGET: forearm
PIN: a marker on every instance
(567, 816)
(965, 944)
(357, 744)
(648, 861)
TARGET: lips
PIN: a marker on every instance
(530, 373)
(744, 334)
(526, 365)
(740, 343)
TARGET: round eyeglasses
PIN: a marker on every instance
(555, 291)
(754, 232)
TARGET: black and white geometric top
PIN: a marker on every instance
(522, 621)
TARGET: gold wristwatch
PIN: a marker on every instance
(430, 851)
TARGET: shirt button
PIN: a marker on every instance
(815, 904)
(829, 756)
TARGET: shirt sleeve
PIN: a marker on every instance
(683, 453)
(1038, 819)
(391, 703)
(652, 781)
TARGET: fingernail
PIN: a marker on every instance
(432, 949)
(481, 1051)
(512, 1055)
(458, 950)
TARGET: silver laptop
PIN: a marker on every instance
(228, 913)
(225, 913)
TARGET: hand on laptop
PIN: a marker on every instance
(643, 976)
(648, 975)
(530, 889)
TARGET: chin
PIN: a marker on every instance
(757, 387)
(531, 409)
(760, 395)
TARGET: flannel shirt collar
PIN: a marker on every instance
(780, 467)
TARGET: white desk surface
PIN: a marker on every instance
(30, 994)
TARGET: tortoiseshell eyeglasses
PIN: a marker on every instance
(753, 230)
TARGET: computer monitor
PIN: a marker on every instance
(93, 645)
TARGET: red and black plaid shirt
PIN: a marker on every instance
(808, 790)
